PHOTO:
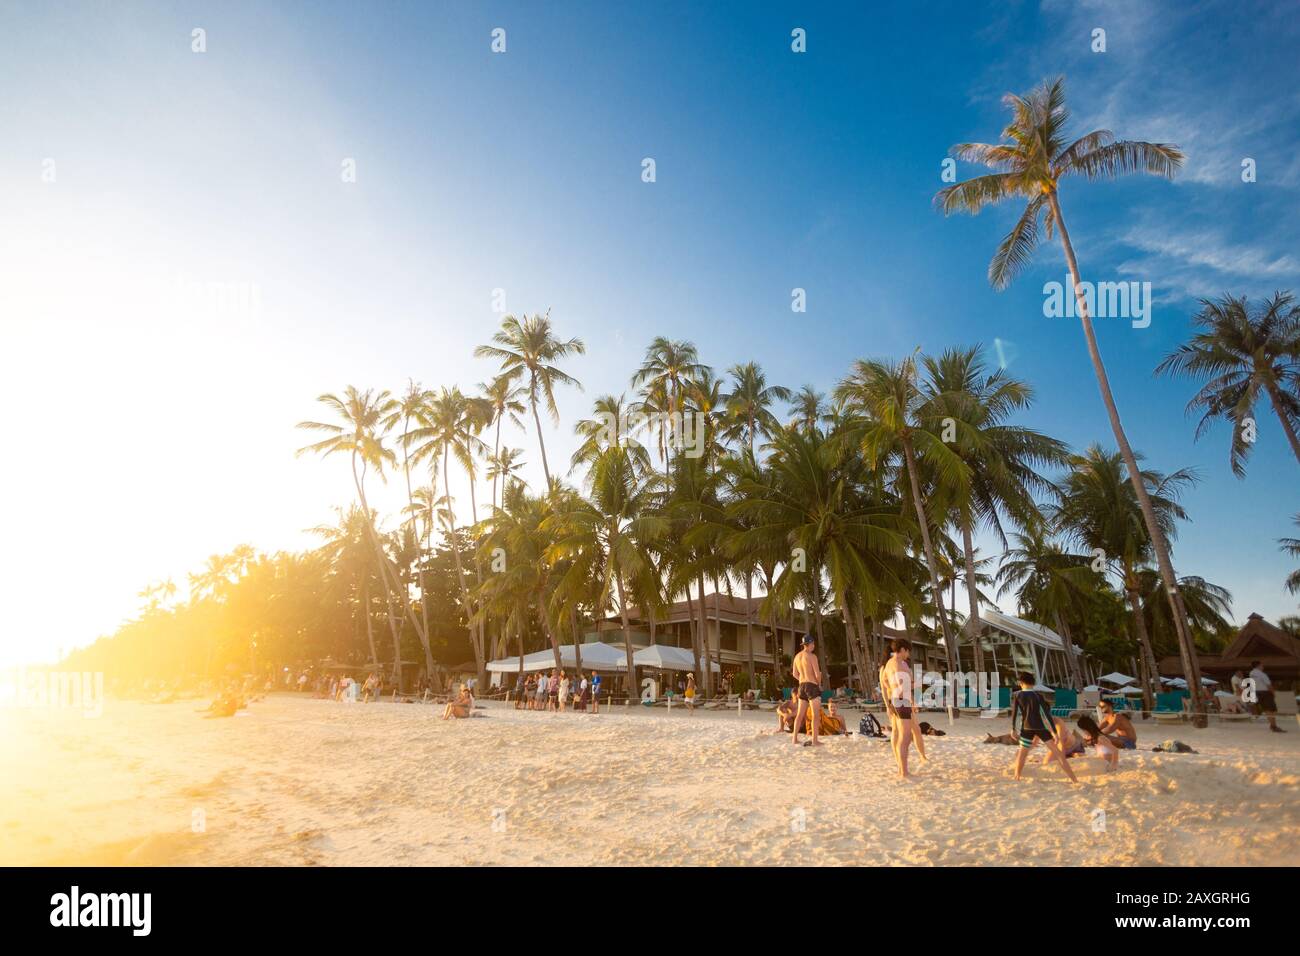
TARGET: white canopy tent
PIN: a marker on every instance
(596, 656)
(1035, 643)
(662, 657)
(1115, 677)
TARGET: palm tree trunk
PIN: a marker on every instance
(1281, 417)
(1144, 643)
(1067, 645)
(577, 637)
(460, 569)
(706, 653)
(370, 629)
(949, 640)
(546, 627)
(383, 571)
(632, 686)
(749, 623)
(693, 628)
(478, 578)
(421, 629)
(537, 420)
(1186, 646)
(972, 597)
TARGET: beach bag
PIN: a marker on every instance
(868, 726)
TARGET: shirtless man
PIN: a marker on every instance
(1116, 733)
(808, 676)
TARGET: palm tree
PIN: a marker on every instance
(1029, 163)
(360, 437)
(503, 400)
(450, 428)
(1291, 546)
(748, 403)
(1098, 509)
(665, 373)
(819, 511)
(808, 407)
(886, 394)
(1243, 352)
(503, 466)
(528, 349)
(1002, 457)
(1050, 583)
(521, 590)
(345, 547)
(606, 536)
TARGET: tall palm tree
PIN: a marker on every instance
(606, 535)
(1243, 352)
(1098, 509)
(528, 350)
(1002, 457)
(504, 399)
(891, 403)
(1030, 162)
(360, 437)
(666, 372)
(748, 404)
(450, 428)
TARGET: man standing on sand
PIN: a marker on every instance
(808, 676)
(1265, 702)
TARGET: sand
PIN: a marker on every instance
(300, 781)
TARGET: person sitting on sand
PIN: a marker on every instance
(1093, 737)
(1117, 727)
(460, 706)
(1035, 724)
(832, 722)
(785, 715)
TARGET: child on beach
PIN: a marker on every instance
(1035, 724)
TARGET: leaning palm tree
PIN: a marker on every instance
(964, 397)
(1030, 162)
(891, 405)
(1244, 353)
(528, 349)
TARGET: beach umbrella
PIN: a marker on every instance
(1130, 691)
(1116, 677)
(1092, 687)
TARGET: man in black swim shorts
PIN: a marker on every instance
(809, 677)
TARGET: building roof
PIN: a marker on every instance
(1277, 651)
(1026, 630)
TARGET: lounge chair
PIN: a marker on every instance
(1065, 703)
(1170, 708)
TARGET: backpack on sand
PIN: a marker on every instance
(868, 726)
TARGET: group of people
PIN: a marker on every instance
(558, 692)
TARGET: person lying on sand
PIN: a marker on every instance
(929, 730)
(1009, 739)
(462, 705)
(1035, 725)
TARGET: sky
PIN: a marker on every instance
(184, 265)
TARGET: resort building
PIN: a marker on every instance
(725, 619)
(1277, 651)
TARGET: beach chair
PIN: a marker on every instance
(1170, 708)
(1065, 703)
(786, 692)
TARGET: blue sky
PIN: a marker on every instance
(156, 427)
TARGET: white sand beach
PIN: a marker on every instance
(299, 781)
